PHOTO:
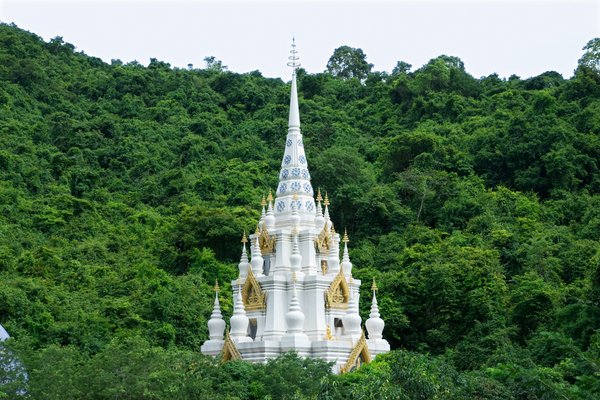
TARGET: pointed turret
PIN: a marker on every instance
(239, 320)
(244, 264)
(257, 259)
(263, 214)
(326, 214)
(319, 219)
(295, 338)
(333, 258)
(270, 217)
(346, 264)
(374, 324)
(294, 176)
(295, 316)
(216, 323)
(351, 319)
(295, 257)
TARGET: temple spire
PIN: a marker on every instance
(294, 119)
(294, 177)
(239, 320)
(216, 323)
(346, 264)
(243, 264)
(257, 260)
(375, 324)
(351, 319)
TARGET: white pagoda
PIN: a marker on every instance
(294, 294)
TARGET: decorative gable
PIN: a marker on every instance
(338, 294)
(230, 352)
(359, 356)
(252, 294)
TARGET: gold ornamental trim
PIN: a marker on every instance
(338, 294)
(358, 356)
(323, 241)
(253, 296)
(229, 352)
(266, 242)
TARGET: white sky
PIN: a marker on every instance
(508, 37)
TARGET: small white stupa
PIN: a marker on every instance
(295, 294)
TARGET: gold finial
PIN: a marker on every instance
(244, 238)
(217, 288)
(326, 202)
(257, 231)
(270, 196)
(295, 197)
(345, 239)
(263, 202)
(319, 197)
(374, 286)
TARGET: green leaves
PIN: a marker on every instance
(348, 62)
(124, 191)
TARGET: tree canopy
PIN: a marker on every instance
(125, 189)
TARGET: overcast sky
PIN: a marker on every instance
(508, 37)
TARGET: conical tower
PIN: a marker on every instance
(294, 177)
(216, 323)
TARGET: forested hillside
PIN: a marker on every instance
(124, 192)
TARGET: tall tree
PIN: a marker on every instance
(348, 62)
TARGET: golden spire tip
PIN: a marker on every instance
(244, 238)
(374, 286)
(270, 196)
(319, 197)
(263, 202)
(326, 202)
(345, 238)
(217, 288)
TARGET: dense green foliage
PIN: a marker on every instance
(124, 190)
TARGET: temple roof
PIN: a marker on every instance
(294, 177)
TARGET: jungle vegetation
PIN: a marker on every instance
(124, 191)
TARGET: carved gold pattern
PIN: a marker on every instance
(323, 241)
(252, 294)
(324, 267)
(338, 294)
(266, 242)
(328, 335)
(359, 355)
(229, 352)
